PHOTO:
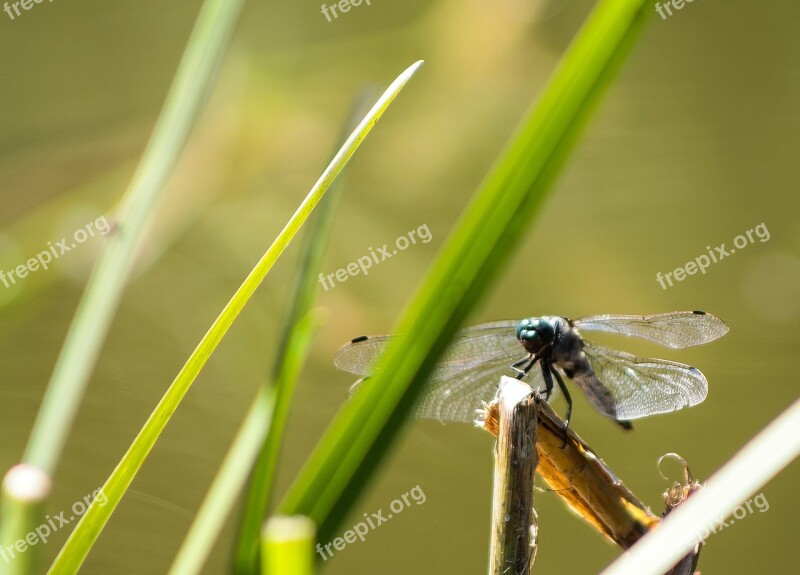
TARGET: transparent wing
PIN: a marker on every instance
(678, 329)
(467, 374)
(458, 395)
(360, 354)
(470, 348)
(624, 386)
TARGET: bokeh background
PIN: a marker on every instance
(695, 143)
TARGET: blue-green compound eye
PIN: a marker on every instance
(535, 330)
(526, 330)
(524, 327)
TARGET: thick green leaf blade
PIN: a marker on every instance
(481, 244)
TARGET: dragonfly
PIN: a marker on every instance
(617, 384)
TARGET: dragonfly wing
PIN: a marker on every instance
(678, 329)
(458, 395)
(632, 387)
(474, 346)
(359, 355)
(468, 348)
(467, 373)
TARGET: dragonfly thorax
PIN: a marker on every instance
(536, 334)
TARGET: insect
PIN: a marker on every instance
(618, 384)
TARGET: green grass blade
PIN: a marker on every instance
(210, 37)
(232, 475)
(92, 522)
(246, 556)
(511, 195)
(194, 77)
(288, 546)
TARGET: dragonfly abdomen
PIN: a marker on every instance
(598, 394)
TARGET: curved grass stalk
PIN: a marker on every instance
(304, 288)
(232, 475)
(80, 541)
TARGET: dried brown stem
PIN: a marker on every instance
(514, 521)
(585, 483)
(673, 497)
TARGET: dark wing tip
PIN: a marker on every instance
(625, 424)
(698, 312)
(359, 339)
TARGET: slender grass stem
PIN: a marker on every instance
(262, 478)
(232, 475)
(193, 80)
(28, 487)
(750, 469)
(92, 522)
(288, 546)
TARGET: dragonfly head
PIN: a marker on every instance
(535, 334)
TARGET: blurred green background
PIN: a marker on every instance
(696, 143)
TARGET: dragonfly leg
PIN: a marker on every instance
(567, 396)
(531, 359)
(548, 381)
(547, 370)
